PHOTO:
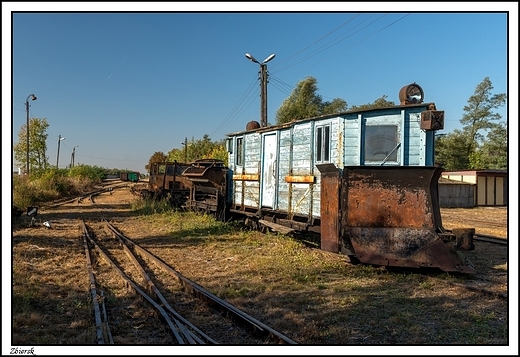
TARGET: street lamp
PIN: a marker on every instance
(33, 97)
(185, 143)
(58, 155)
(73, 155)
(263, 86)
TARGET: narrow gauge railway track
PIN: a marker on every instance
(183, 330)
(490, 239)
(89, 195)
(477, 222)
(489, 224)
(176, 323)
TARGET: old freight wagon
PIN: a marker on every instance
(276, 168)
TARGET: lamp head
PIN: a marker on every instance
(33, 97)
(251, 58)
(269, 58)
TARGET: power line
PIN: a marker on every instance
(318, 40)
(286, 88)
(354, 44)
(281, 85)
(335, 41)
(228, 120)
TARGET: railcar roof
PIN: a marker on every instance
(289, 124)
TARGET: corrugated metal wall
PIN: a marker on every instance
(452, 195)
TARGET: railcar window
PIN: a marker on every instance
(229, 145)
(323, 143)
(240, 152)
(380, 144)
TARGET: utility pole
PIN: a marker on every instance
(72, 156)
(263, 94)
(263, 87)
(186, 150)
(33, 97)
(58, 154)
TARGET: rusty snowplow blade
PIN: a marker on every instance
(391, 217)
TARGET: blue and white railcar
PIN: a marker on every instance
(274, 168)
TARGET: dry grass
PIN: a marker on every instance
(312, 296)
(491, 221)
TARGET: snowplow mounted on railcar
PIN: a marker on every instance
(389, 216)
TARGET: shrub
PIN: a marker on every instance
(51, 184)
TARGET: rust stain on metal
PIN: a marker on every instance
(405, 247)
(330, 207)
(392, 198)
(391, 216)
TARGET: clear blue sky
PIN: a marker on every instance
(122, 86)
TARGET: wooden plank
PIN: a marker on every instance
(276, 227)
(300, 179)
(246, 177)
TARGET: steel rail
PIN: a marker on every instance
(200, 292)
(93, 291)
(136, 288)
(190, 337)
(490, 239)
(105, 317)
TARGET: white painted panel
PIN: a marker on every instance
(269, 171)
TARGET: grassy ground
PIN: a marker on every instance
(314, 297)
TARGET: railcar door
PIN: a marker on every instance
(269, 170)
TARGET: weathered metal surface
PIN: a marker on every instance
(391, 216)
(405, 247)
(206, 172)
(402, 196)
(464, 238)
(167, 176)
(330, 208)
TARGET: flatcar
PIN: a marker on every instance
(365, 181)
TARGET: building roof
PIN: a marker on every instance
(443, 180)
(332, 115)
(476, 172)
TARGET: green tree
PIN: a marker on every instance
(378, 103)
(481, 143)
(304, 102)
(450, 150)
(337, 105)
(37, 145)
(203, 148)
(157, 156)
(478, 114)
(493, 152)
